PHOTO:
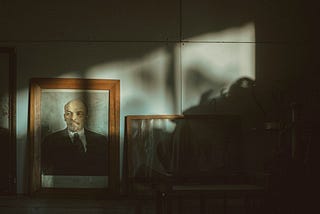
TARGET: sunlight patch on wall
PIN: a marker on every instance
(143, 82)
(210, 68)
(244, 33)
(71, 74)
(22, 110)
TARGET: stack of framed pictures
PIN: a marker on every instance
(171, 149)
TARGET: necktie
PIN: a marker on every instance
(78, 142)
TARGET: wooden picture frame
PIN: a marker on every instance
(8, 121)
(53, 103)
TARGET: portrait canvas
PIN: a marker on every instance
(53, 102)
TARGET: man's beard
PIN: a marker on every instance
(74, 126)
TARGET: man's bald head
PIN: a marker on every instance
(75, 114)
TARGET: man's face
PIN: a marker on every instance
(75, 115)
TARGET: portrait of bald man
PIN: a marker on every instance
(75, 150)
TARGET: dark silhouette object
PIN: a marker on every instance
(205, 149)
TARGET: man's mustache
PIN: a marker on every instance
(74, 122)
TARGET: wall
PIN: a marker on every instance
(171, 57)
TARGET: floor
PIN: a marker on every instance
(27, 205)
(123, 205)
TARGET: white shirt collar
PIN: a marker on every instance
(81, 136)
(71, 133)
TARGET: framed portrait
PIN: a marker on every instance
(74, 136)
(7, 121)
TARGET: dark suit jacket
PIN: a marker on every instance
(61, 157)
